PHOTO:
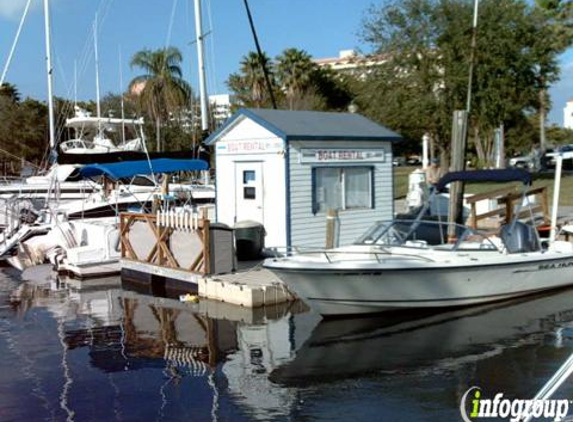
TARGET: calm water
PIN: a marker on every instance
(97, 351)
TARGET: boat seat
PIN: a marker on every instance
(519, 238)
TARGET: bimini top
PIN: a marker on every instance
(127, 169)
(503, 175)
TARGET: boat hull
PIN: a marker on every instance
(346, 291)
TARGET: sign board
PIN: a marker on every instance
(341, 155)
(261, 146)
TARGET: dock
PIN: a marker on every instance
(186, 254)
(249, 287)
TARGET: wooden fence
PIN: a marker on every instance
(507, 199)
(158, 250)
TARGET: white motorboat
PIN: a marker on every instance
(98, 135)
(130, 188)
(90, 247)
(410, 264)
(59, 181)
(94, 252)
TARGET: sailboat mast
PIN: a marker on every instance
(201, 63)
(49, 71)
(121, 93)
(96, 57)
(75, 83)
(13, 49)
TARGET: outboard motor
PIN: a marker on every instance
(519, 237)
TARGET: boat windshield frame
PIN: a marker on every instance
(427, 234)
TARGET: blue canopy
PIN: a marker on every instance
(506, 175)
(128, 169)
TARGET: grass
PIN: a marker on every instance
(542, 179)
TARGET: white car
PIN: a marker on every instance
(523, 161)
(566, 151)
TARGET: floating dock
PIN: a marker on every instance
(181, 253)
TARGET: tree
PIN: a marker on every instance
(298, 83)
(163, 89)
(295, 70)
(249, 85)
(23, 127)
(560, 15)
(424, 78)
(10, 91)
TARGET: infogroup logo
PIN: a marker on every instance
(515, 410)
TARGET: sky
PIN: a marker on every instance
(321, 27)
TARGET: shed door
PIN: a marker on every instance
(249, 191)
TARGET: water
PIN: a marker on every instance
(99, 351)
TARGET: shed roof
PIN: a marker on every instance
(310, 125)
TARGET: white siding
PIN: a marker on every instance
(273, 176)
(310, 230)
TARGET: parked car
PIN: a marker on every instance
(398, 161)
(526, 161)
(522, 161)
(565, 150)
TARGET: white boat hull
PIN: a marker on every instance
(366, 289)
(103, 269)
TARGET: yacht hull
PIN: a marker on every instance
(360, 289)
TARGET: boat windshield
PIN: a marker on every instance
(423, 234)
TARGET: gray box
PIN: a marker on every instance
(222, 247)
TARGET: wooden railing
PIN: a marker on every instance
(161, 253)
(507, 198)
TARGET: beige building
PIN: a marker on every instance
(349, 61)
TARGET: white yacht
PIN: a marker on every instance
(411, 264)
(61, 180)
(84, 238)
(100, 135)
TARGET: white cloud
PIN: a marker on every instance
(12, 9)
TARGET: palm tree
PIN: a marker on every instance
(10, 91)
(249, 83)
(161, 88)
(295, 70)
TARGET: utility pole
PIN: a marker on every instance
(260, 54)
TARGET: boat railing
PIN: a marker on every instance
(8, 180)
(424, 234)
(332, 255)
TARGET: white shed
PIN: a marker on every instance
(285, 169)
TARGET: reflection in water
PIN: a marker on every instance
(418, 341)
(99, 350)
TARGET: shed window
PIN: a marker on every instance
(249, 193)
(248, 176)
(342, 188)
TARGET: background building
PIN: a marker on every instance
(568, 115)
(349, 61)
(220, 106)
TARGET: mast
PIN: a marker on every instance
(75, 84)
(11, 54)
(122, 100)
(49, 71)
(96, 56)
(201, 64)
